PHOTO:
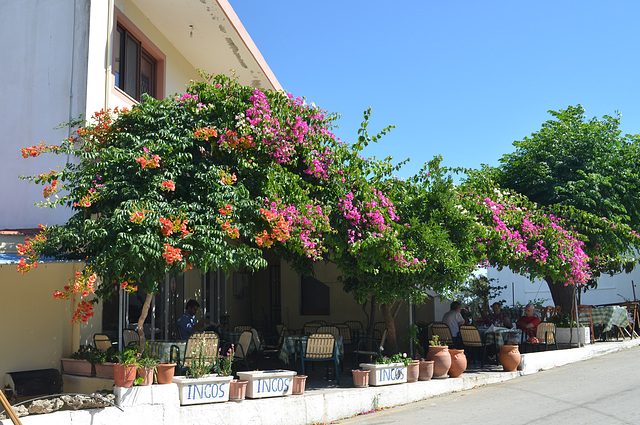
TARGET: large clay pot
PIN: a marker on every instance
(360, 378)
(104, 370)
(146, 373)
(413, 371)
(237, 390)
(299, 384)
(509, 357)
(426, 370)
(124, 375)
(164, 373)
(441, 360)
(458, 363)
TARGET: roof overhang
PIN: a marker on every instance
(209, 34)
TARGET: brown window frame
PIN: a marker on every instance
(121, 69)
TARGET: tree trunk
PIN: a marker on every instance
(389, 312)
(143, 316)
(372, 317)
(562, 295)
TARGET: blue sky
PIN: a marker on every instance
(462, 79)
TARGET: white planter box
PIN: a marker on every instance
(385, 374)
(208, 389)
(563, 334)
(268, 383)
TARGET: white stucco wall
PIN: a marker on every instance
(43, 74)
(611, 289)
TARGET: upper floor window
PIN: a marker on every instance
(134, 68)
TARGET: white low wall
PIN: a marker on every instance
(159, 404)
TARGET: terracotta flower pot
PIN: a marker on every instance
(458, 363)
(509, 357)
(164, 372)
(104, 370)
(426, 370)
(76, 367)
(147, 374)
(299, 382)
(124, 375)
(413, 371)
(360, 378)
(441, 360)
(237, 390)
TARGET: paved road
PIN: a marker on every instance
(604, 391)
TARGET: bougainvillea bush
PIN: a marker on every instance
(210, 178)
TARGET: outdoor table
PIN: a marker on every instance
(610, 316)
(295, 345)
(162, 349)
(501, 336)
(230, 337)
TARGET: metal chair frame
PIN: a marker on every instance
(369, 347)
(210, 342)
(321, 347)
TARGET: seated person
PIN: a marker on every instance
(528, 323)
(454, 320)
(497, 317)
(187, 323)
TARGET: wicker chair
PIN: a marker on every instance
(442, 330)
(546, 336)
(130, 337)
(102, 342)
(311, 327)
(369, 347)
(472, 341)
(585, 318)
(321, 348)
(208, 341)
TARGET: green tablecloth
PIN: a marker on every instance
(291, 347)
(609, 316)
(162, 349)
(501, 336)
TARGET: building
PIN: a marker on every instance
(73, 57)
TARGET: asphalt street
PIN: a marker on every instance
(603, 390)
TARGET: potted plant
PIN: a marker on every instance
(360, 378)
(146, 366)
(567, 331)
(388, 370)
(439, 353)
(201, 386)
(81, 362)
(124, 372)
(224, 367)
(105, 363)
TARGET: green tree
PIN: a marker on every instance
(587, 173)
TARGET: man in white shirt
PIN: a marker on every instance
(454, 320)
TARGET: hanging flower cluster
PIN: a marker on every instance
(34, 150)
(129, 287)
(169, 226)
(171, 254)
(168, 185)
(83, 285)
(147, 160)
(137, 217)
(30, 258)
(227, 178)
(205, 133)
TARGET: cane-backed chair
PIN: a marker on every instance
(204, 343)
(472, 342)
(369, 347)
(102, 342)
(442, 330)
(585, 318)
(321, 347)
(546, 336)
